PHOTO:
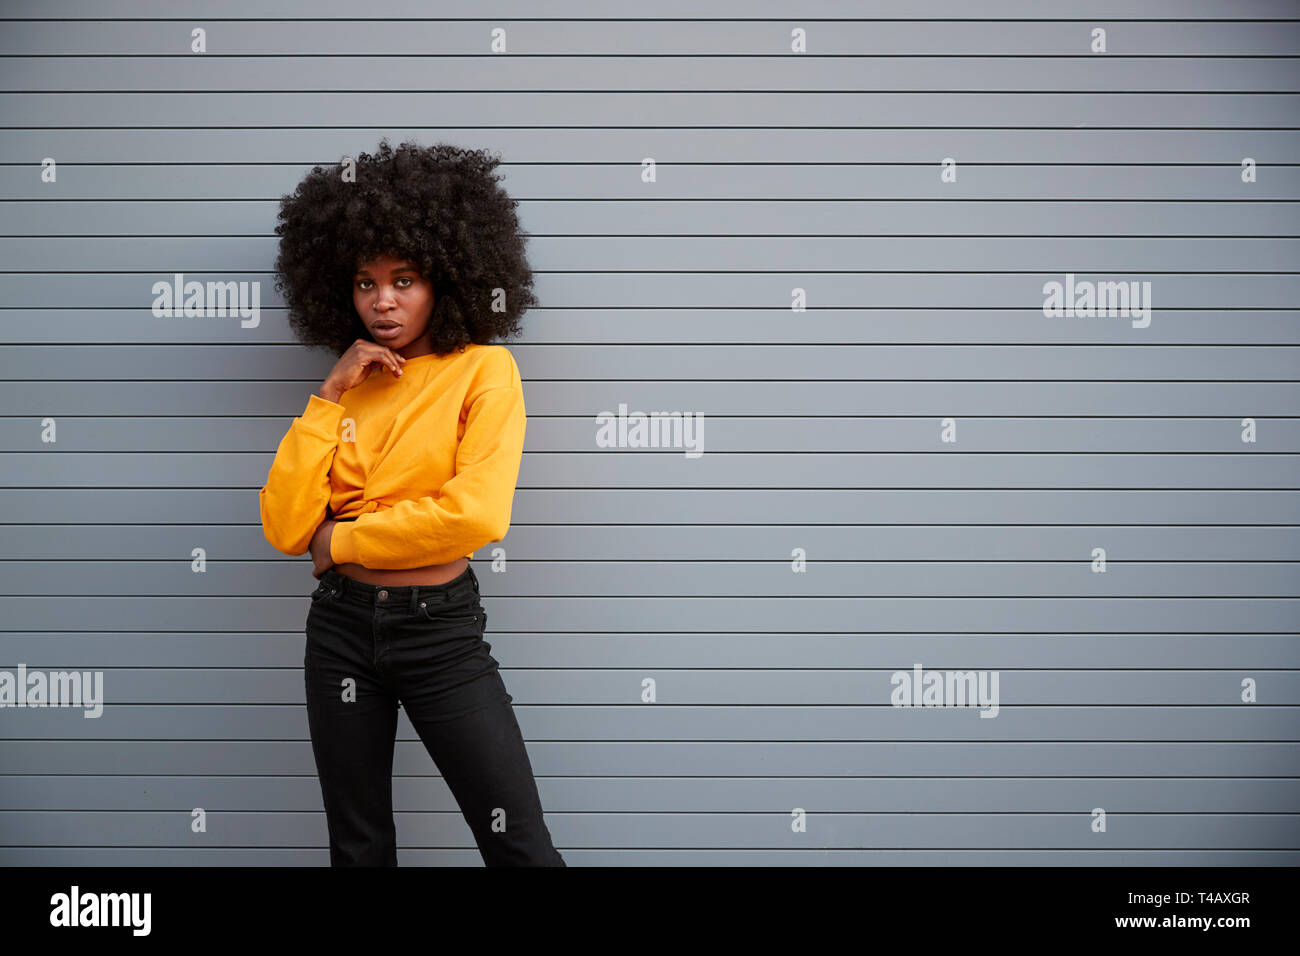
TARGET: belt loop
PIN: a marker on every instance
(415, 599)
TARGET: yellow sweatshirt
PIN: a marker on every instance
(426, 463)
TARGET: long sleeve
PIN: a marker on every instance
(470, 510)
(297, 489)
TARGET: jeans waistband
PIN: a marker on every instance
(409, 595)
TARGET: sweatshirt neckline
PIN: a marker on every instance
(434, 355)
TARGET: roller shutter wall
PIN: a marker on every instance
(824, 230)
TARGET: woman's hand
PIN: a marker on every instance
(320, 548)
(354, 367)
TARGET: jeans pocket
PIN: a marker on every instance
(323, 594)
(458, 614)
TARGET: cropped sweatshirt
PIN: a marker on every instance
(425, 463)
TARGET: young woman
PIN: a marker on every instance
(404, 464)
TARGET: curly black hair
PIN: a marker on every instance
(439, 207)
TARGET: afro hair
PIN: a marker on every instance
(439, 207)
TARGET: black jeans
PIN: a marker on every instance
(371, 647)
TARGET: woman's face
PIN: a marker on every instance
(394, 303)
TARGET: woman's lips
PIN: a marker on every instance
(386, 332)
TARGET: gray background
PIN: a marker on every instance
(820, 171)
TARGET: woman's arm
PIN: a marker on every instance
(297, 490)
(471, 509)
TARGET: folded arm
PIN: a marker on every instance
(297, 490)
(470, 510)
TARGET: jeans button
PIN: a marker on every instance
(383, 595)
